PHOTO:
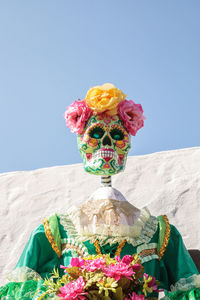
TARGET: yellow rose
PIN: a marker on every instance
(104, 97)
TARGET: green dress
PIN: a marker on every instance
(158, 244)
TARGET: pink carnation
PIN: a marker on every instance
(136, 267)
(76, 116)
(118, 271)
(77, 262)
(132, 116)
(127, 259)
(73, 290)
(134, 296)
(94, 265)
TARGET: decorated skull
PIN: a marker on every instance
(104, 145)
(104, 122)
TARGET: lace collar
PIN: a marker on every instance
(109, 222)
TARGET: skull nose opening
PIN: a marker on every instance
(107, 141)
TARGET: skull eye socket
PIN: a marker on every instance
(96, 133)
(117, 134)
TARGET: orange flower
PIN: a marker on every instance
(104, 97)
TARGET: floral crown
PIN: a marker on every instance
(105, 99)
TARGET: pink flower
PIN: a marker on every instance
(127, 259)
(132, 116)
(76, 116)
(73, 290)
(136, 267)
(77, 262)
(96, 264)
(134, 296)
(117, 258)
(118, 271)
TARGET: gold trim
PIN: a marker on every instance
(50, 237)
(97, 247)
(166, 238)
(120, 247)
(118, 251)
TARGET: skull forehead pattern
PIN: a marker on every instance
(104, 145)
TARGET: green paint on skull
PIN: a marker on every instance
(104, 145)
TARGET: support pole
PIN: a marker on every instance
(106, 181)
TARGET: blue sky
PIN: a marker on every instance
(52, 52)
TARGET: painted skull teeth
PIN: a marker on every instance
(105, 154)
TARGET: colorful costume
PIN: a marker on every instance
(57, 240)
(107, 223)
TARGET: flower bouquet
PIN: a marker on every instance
(102, 278)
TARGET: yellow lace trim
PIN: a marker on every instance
(50, 237)
(166, 238)
(118, 251)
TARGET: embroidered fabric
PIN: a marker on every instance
(23, 274)
(72, 245)
(147, 252)
(109, 221)
(185, 284)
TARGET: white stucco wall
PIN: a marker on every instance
(167, 182)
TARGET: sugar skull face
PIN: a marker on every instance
(104, 145)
